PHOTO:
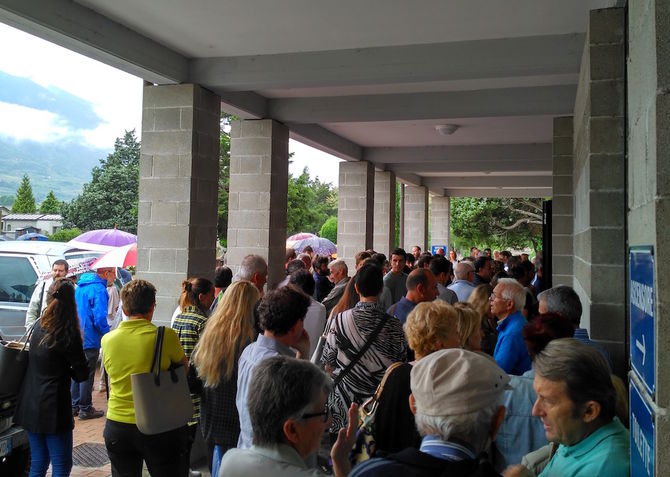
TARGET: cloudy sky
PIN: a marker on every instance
(107, 101)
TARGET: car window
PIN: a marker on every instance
(17, 279)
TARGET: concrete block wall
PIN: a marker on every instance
(648, 172)
(355, 210)
(562, 203)
(440, 216)
(598, 182)
(258, 194)
(416, 217)
(179, 169)
(383, 236)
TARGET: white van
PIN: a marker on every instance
(22, 264)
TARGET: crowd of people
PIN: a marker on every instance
(485, 372)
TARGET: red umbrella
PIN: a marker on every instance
(122, 257)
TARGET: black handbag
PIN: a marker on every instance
(14, 362)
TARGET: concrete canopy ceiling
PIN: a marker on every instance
(361, 80)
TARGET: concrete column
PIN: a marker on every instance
(355, 210)
(416, 217)
(258, 194)
(648, 185)
(598, 183)
(440, 217)
(562, 203)
(384, 212)
(179, 170)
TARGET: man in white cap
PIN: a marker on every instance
(456, 401)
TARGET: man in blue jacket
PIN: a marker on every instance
(91, 297)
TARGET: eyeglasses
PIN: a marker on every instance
(325, 413)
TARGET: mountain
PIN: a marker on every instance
(63, 165)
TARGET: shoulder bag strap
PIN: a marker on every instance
(360, 354)
(156, 360)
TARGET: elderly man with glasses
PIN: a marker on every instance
(288, 407)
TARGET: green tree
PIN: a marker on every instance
(50, 204)
(329, 229)
(310, 202)
(495, 222)
(25, 200)
(224, 178)
(64, 235)
(111, 198)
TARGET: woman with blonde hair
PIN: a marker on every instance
(227, 332)
(469, 327)
(430, 326)
(479, 299)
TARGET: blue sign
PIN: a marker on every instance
(642, 310)
(435, 248)
(642, 447)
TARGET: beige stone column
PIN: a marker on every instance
(562, 215)
(416, 217)
(258, 194)
(355, 210)
(384, 212)
(440, 217)
(179, 169)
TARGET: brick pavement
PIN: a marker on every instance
(90, 431)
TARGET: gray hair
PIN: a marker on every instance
(339, 265)
(250, 265)
(583, 370)
(563, 300)
(282, 388)
(513, 290)
(473, 428)
(463, 269)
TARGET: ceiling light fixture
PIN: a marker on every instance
(446, 129)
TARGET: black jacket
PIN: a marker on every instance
(44, 404)
(414, 463)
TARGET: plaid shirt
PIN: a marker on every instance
(189, 325)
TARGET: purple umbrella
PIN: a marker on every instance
(109, 237)
(320, 245)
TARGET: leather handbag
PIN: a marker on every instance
(161, 398)
(365, 445)
(14, 362)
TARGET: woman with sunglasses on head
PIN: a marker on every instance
(44, 406)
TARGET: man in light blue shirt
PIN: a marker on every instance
(576, 402)
(462, 286)
(281, 314)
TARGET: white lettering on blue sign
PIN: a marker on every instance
(643, 447)
(642, 297)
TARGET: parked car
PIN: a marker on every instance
(22, 265)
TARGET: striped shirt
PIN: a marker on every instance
(189, 324)
(348, 333)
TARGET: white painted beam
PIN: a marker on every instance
(463, 60)
(488, 182)
(85, 31)
(490, 152)
(477, 167)
(540, 100)
(247, 105)
(525, 193)
(326, 141)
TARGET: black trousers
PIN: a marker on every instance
(166, 454)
